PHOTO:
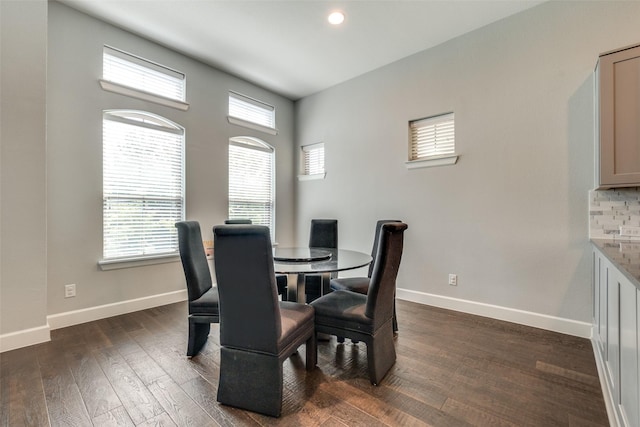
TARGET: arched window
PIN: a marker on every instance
(251, 181)
(143, 184)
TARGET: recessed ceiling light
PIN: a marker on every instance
(336, 18)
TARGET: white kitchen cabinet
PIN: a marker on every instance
(616, 335)
(628, 400)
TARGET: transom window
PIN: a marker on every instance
(143, 184)
(249, 112)
(132, 71)
(251, 181)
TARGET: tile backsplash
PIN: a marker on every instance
(610, 209)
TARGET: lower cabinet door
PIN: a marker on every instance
(629, 353)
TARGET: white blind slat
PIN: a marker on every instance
(252, 110)
(143, 185)
(313, 159)
(433, 136)
(135, 72)
(251, 177)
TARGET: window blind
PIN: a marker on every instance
(432, 137)
(251, 110)
(143, 184)
(313, 159)
(251, 182)
(132, 71)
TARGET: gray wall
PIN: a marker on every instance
(23, 256)
(74, 158)
(511, 217)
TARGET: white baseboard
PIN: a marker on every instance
(70, 318)
(24, 338)
(27, 337)
(536, 320)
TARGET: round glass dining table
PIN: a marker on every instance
(296, 263)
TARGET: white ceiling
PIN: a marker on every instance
(288, 46)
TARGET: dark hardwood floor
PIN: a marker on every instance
(453, 369)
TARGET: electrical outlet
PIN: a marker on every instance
(70, 290)
(453, 279)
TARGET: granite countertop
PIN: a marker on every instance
(624, 255)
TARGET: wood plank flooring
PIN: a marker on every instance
(453, 369)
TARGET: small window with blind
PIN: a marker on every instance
(143, 185)
(432, 141)
(133, 76)
(251, 181)
(252, 113)
(312, 160)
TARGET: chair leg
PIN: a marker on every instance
(311, 352)
(198, 333)
(250, 381)
(395, 318)
(381, 354)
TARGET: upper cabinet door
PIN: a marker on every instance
(619, 111)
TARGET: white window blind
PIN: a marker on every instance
(313, 159)
(252, 110)
(251, 181)
(134, 72)
(432, 137)
(143, 184)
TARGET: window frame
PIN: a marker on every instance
(119, 191)
(307, 173)
(259, 145)
(431, 124)
(153, 68)
(238, 100)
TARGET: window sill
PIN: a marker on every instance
(432, 162)
(118, 263)
(251, 125)
(140, 94)
(312, 177)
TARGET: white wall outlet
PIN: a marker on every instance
(453, 279)
(70, 290)
(627, 230)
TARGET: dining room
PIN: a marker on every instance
(508, 219)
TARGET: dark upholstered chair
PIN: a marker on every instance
(237, 221)
(322, 234)
(361, 284)
(203, 297)
(368, 318)
(281, 279)
(257, 331)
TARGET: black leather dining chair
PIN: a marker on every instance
(368, 318)
(322, 234)
(257, 331)
(203, 297)
(281, 279)
(361, 284)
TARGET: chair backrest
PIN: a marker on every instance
(382, 286)
(249, 309)
(194, 259)
(374, 250)
(237, 221)
(323, 233)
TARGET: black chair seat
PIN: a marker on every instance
(353, 284)
(343, 310)
(297, 321)
(206, 305)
